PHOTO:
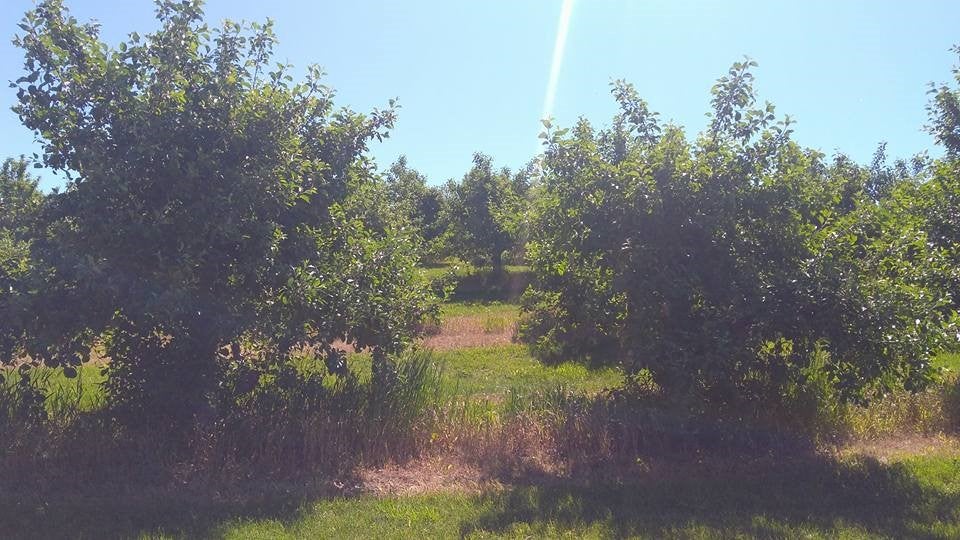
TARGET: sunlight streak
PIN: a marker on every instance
(558, 48)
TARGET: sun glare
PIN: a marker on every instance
(563, 26)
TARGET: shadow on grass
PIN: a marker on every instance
(809, 497)
(697, 477)
(261, 454)
(819, 497)
(488, 286)
(129, 512)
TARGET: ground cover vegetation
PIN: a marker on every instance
(230, 322)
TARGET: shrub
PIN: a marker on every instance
(295, 418)
(722, 265)
(212, 202)
(288, 420)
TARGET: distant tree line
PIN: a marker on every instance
(480, 219)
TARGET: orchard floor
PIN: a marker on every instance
(887, 487)
(904, 486)
(853, 495)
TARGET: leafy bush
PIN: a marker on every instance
(938, 201)
(213, 202)
(289, 420)
(20, 202)
(724, 264)
(420, 204)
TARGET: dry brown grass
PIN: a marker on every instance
(471, 331)
(524, 449)
(447, 473)
(522, 452)
(462, 332)
(892, 448)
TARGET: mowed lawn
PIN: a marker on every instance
(480, 309)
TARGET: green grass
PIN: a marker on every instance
(480, 284)
(915, 497)
(433, 272)
(949, 361)
(83, 391)
(486, 309)
(911, 496)
(494, 317)
(495, 371)
(498, 370)
(461, 268)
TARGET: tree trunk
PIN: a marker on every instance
(498, 262)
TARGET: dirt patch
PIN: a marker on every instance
(436, 474)
(463, 332)
(891, 448)
(492, 467)
(472, 331)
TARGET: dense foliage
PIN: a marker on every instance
(939, 200)
(944, 110)
(20, 201)
(485, 213)
(939, 205)
(219, 215)
(734, 266)
(420, 204)
(217, 211)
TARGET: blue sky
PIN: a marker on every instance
(472, 75)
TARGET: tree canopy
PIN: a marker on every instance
(737, 265)
(214, 202)
(485, 210)
(221, 214)
(421, 204)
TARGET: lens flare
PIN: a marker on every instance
(563, 26)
